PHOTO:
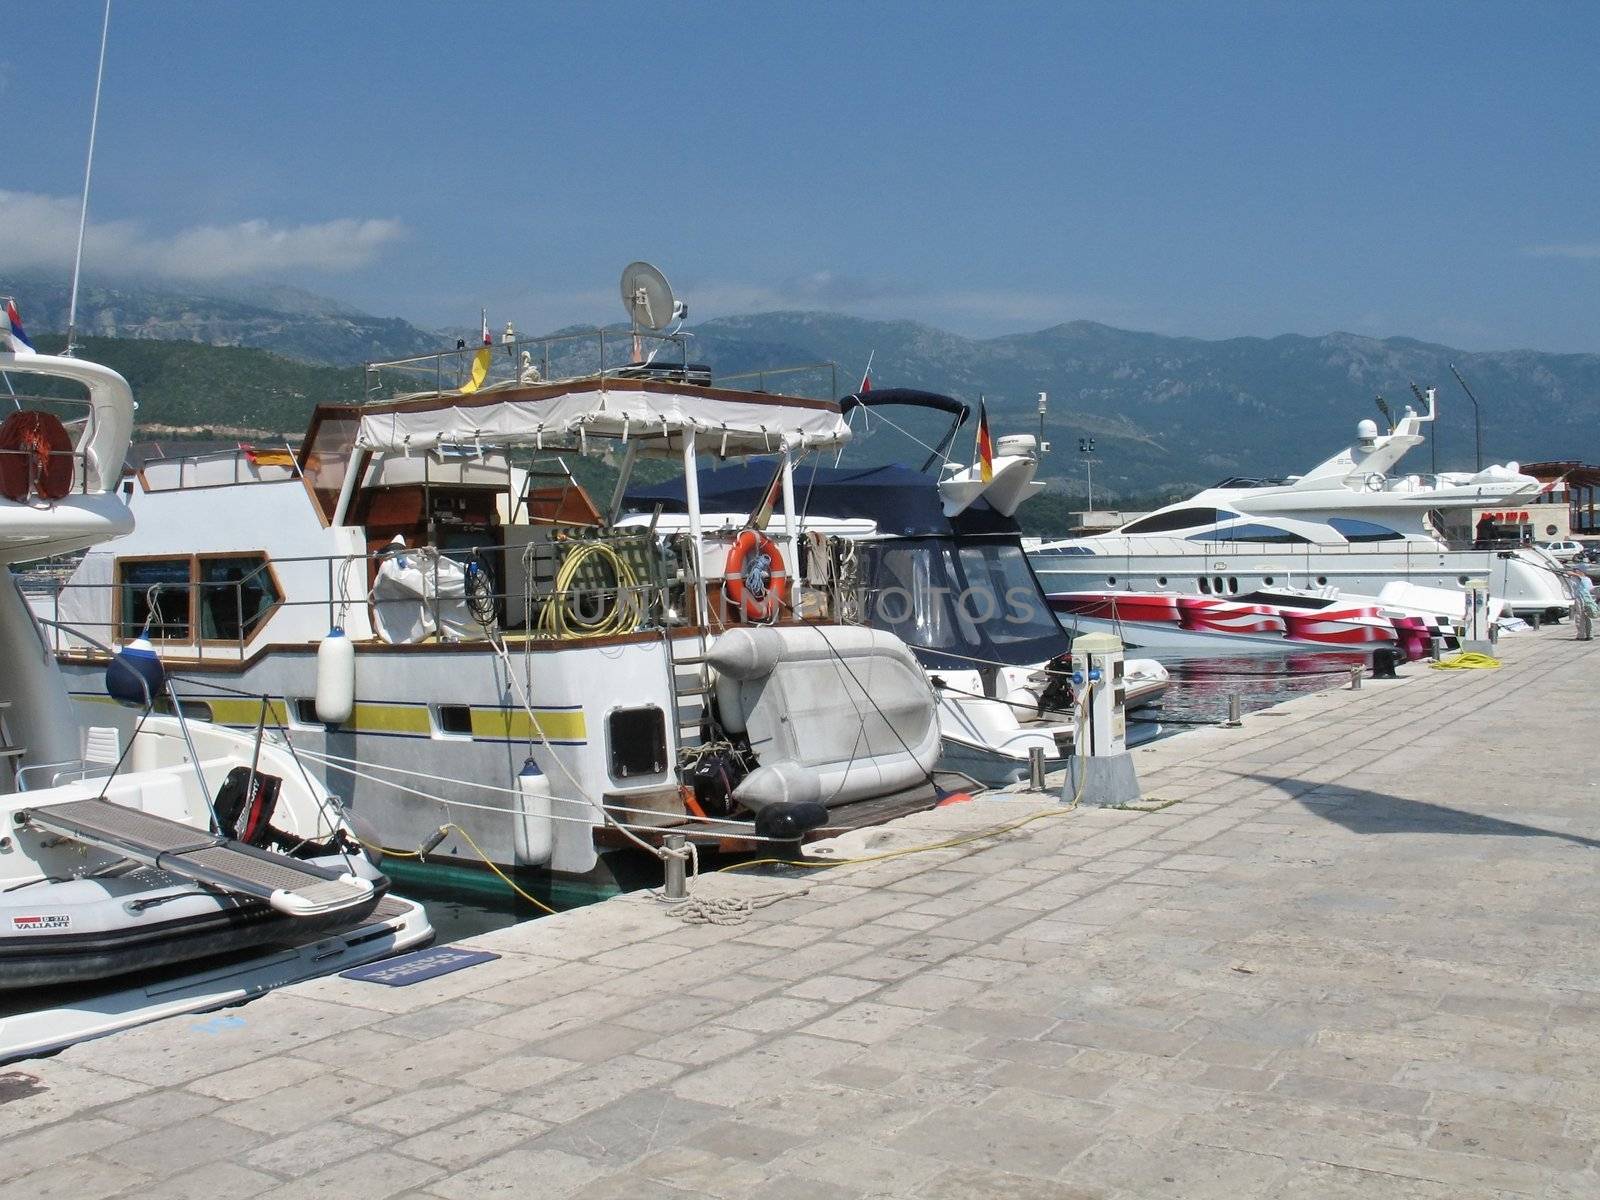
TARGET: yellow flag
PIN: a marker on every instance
(480, 370)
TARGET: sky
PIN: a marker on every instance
(1422, 169)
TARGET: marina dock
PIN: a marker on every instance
(1349, 952)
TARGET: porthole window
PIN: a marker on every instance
(1205, 585)
(1233, 585)
(455, 720)
(1322, 581)
(1111, 581)
(1462, 580)
(1161, 581)
(1216, 584)
(1267, 581)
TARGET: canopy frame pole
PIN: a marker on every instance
(792, 523)
(691, 494)
(354, 469)
(624, 476)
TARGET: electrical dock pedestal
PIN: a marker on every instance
(1100, 771)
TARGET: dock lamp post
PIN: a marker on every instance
(1477, 428)
(1086, 448)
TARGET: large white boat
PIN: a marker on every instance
(152, 845)
(1353, 523)
(487, 665)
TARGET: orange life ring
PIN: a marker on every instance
(754, 578)
(35, 457)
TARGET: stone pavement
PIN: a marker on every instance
(1356, 959)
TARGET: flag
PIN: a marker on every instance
(19, 340)
(983, 450)
(866, 376)
(762, 516)
(1551, 486)
(480, 360)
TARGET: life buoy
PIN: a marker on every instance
(1375, 482)
(35, 457)
(754, 578)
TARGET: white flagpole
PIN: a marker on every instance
(83, 211)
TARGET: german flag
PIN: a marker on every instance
(983, 450)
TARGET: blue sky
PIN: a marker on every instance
(1205, 169)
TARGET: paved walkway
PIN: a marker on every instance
(1357, 959)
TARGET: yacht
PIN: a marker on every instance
(934, 557)
(159, 864)
(1354, 523)
(488, 666)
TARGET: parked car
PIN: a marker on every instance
(1565, 551)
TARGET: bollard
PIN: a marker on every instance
(1436, 649)
(676, 866)
(1036, 768)
(1355, 679)
(1235, 711)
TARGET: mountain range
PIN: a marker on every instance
(1167, 414)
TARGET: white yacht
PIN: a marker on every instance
(1354, 522)
(488, 666)
(134, 855)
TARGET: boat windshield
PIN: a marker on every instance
(954, 599)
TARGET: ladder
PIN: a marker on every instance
(289, 886)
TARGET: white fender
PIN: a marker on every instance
(534, 834)
(336, 678)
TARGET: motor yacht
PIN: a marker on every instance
(1355, 522)
(489, 667)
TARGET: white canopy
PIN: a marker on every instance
(565, 414)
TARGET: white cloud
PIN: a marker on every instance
(42, 231)
(1578, 250)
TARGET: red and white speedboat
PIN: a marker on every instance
(1262, 622)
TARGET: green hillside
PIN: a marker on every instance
(190, 384)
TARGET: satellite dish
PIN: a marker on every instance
(647, 296)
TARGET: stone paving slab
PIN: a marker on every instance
(1356, 958)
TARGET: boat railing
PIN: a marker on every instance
(520, 361)
(220, 468)
(641, 581)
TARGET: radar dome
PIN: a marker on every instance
(1367, 430)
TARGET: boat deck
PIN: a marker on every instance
(1356, 958)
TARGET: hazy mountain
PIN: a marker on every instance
(1167, 413)
(286, 321)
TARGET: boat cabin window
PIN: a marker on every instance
(1353, 530)
(1179, 518)
(237, 592)
(1250, 532)
(154, 596)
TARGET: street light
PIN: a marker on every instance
(1477, 429)
(1086, 448)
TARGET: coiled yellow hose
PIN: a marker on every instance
(1469, 660)
(558, 619)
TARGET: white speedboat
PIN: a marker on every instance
(163, 846)
(484, 662)
(941, 568)
(1353, 522)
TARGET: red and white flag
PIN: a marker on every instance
(487, 341)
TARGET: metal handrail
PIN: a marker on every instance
(456, 363)
(661, 602)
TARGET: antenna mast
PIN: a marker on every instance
(88, 166)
